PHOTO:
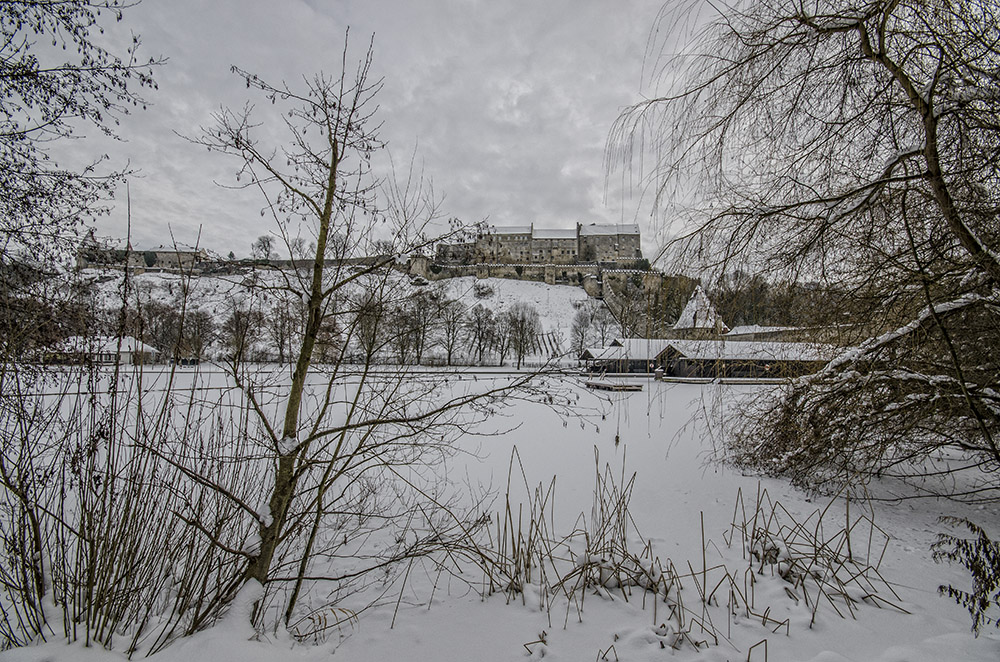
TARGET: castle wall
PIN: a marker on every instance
(528, 245)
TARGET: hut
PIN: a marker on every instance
(736, 358)
(104, 350)
(636, 355)
(699, 319)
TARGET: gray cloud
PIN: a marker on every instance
(508, 103)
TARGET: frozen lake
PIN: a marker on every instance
(664, 435)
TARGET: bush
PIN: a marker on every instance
(482, 291)
(981, 557)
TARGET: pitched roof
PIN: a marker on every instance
(699, 313)
(509, 229)
(757, 328)
(105, 345)
(749, 350)
(595, 229)
(639, 349)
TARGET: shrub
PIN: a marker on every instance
(981, 557)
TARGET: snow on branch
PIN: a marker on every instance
(855, 354)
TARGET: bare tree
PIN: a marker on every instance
(240, 331)
(424, 309)
(452, 325)
(198, 333)
(854, 145)
(335, 488)
(282, 323)
(605, 326)
(403, 330)
(580, 332)
(48, 94)
(263, 248)
(480, 328)
(524, 327)
(502, 337)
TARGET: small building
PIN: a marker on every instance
(635, 355)
(710, 358)
(699, 319)
(104, 350)
(176, 256)
(603, 359)
(738, 358)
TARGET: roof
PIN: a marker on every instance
(608, 229)
(639, 349)
(609, 354)
(757, 328)
(105, 345)
(173, 248)
(509, 229)
(546, 233)
(749, 350)
(699, 313)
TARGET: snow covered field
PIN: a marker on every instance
(664, 435)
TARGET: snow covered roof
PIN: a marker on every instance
(734, 350)
(547, 233)
(638, 349)
(757, 328)
(609, 354)
(173, 248)
(608, 229)
(510, 229)
(699, 313)
(105, 345)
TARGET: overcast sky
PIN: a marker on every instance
(508, 103)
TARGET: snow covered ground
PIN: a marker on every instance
(217, 294)
(664, 435)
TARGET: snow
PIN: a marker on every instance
(510, 229)
(105, 344)
(753, 350)
(596, 229)
(678, 493)
(216, 294)
(757, 328)
(639, 349)
(556, 304)
(699, 313)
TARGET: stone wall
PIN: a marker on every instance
(530, 245)
(569, 274)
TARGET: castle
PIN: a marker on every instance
(586, 244)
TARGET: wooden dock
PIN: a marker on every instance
(611, 386)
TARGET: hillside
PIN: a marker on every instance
(218, 296)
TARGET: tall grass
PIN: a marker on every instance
(109, 538)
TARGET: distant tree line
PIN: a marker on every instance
(422, 327)
(743, 298)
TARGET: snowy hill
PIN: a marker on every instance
(218, 296)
